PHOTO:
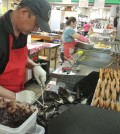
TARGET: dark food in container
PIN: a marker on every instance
(13, 114)
(50, 95)
(66, 95)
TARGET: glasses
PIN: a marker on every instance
(32, 13)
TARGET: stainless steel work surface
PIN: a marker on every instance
(84, 70)
(92, 61)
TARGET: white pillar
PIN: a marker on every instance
(0, 7)
(118, 29)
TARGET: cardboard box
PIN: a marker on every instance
(52, 53)
(45, 52)
(41, 52)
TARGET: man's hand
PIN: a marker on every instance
(26, 96)
(40, 75)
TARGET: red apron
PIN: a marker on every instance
(13, 77)
(67, 47)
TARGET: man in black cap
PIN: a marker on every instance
(14, 28)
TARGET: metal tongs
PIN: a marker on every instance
(43, 102)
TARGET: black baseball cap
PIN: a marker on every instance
(42, 10)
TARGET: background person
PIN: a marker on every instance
(86, 28)
(14, 28)
(70, 35)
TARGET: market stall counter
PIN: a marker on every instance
(84, 119)
(89, 119)
(69, 115)
(100, 117)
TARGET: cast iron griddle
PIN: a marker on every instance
(96, 59)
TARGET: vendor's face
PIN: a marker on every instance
(27, 22)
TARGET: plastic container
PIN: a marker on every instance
(39, 130)
(28, 126)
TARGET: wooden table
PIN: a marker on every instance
(44, 37)
(49, 55)
(36, 46)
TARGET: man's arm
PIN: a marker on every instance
(30, 64)
(23, 96)
(7, 93)
(38, 72)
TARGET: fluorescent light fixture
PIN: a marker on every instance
(99, 3)
(83, 3)
(66, 1)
